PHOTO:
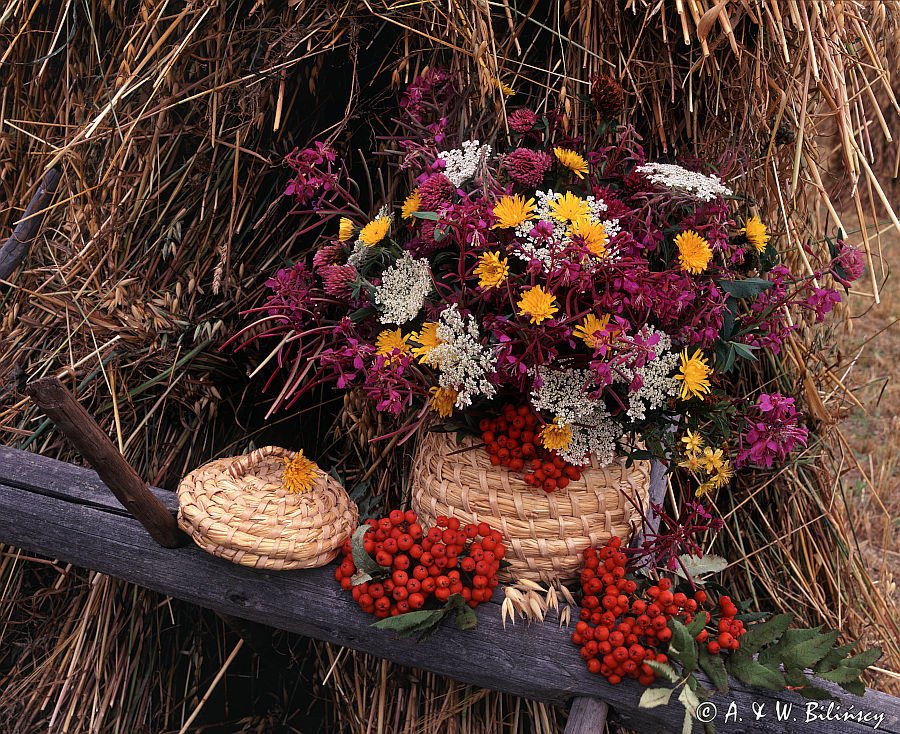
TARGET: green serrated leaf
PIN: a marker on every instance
(366, 567)
(747, 288)
(653, 697)
(698, 568)
(696, 625)
(411, 623)
(759, 635)
(431, 216)
(864, 659)
(835, 657)
(773, 653)
(841, 674)
(682, 645)
(664, 669)
(466, 619)
(746, 669)
(857, 688)
(807, 653)
(714, 667)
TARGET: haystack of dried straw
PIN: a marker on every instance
(168, 123)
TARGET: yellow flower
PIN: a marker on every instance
(427, 339)
(390, 340)
(443, 400)
(593, 234)
(756, 234)
(411, 205)
(511, 211)
(694, 252)
(692, 463)
(571, 160)
(345, 229)
(538, 304)
(704, 489)
(587, 329)
(569, 208)
(299, 474)
(375, 231)
(491, 270)
(712, 459)
(723, 474)
(505, 89)
(556, 436)
(693, 442)
(694, 375)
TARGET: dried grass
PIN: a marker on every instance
(169, 123)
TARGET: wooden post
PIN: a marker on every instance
(586, 716)
(82, 430)
(16, 247)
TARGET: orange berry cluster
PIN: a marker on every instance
(447, 559)
(621, 630)
(512, 441)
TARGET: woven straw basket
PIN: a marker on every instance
(238, 509)
(545, 533)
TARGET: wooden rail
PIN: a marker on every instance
(65, 512)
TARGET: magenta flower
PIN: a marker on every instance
(527, 167)
(522, 120)
(337, 280)
(849, 264)
(772, 432)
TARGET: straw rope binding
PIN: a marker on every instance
(238, 509)
(545, 532)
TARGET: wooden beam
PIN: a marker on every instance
(587, 716)
(62, 511)
(16, 247)
(82, 430)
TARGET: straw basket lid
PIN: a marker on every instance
(239, 509)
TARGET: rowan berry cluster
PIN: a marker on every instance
(447, 559)
(512, 440)
(621, 630)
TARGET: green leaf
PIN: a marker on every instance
(664, 669)
(835, 657)
(714, 667)
(431, 216)
(773, 653)
(746, 669)
(747, 288)
(864, 659)
(419, 622)
(728, 319)
(696, 625)
(857, 688)
(759, 635)
(808, 653)
(698, 568)
(366, 567)
(744, 350)
(682, 645)
(841, 674)
(653, 697)
(466, 618)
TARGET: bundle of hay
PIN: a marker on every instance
(168, 126)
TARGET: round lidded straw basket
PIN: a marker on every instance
(238, 509)
(545, 533)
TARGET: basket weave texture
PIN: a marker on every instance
(238, 509)
(545, 533)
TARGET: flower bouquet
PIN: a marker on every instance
(556, 313)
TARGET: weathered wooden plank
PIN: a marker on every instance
(16, 247)
(587, 716)
(82, 430)
(75, 519)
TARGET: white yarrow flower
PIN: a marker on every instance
(404, 287)
(464, 364)
(462, 163)
(563, 394)
(673, 176)
(657, 375)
